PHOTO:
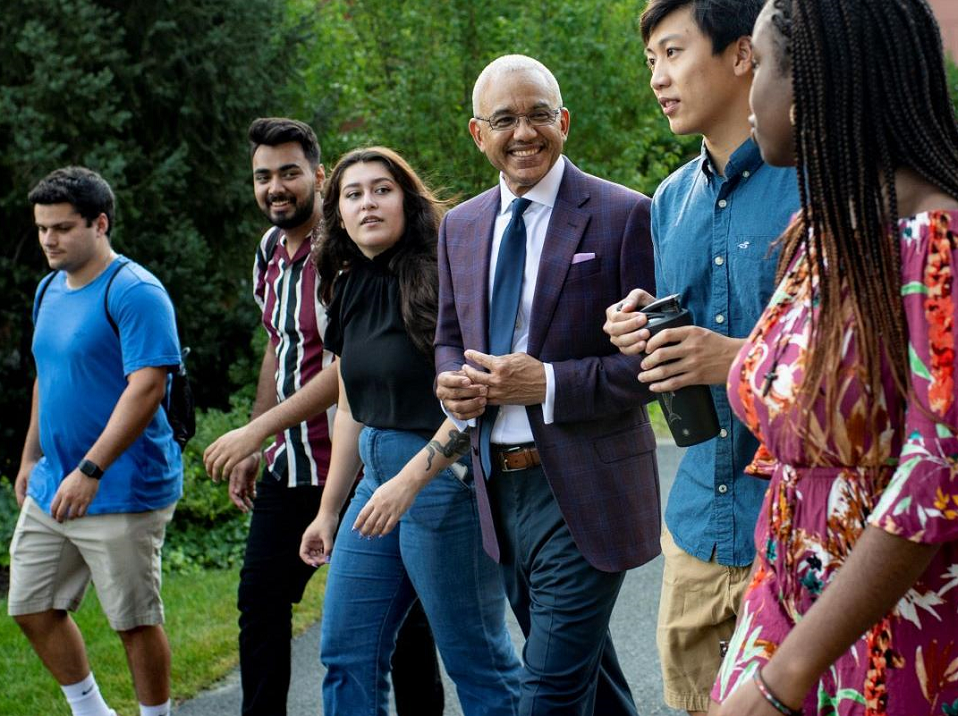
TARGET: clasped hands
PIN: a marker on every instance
(512, 379)
(674, 357)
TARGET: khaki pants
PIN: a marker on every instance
(698, 608)
(52, 563)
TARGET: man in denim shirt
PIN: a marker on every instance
(713, 222)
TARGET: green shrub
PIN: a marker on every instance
(204, 500)
(8, 519)
(207, 531)
(660, 425)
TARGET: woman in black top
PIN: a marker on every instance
(412, 526)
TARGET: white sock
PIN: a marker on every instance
(85, 698)
(161, 710)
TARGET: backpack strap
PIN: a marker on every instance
(106, 296)
(44, 285)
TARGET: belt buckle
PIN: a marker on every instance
(503, 467)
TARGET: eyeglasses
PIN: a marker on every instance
(538, 118)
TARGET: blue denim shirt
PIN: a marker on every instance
(712, 236)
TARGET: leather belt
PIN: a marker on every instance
(512, 458)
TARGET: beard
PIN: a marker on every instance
(301, 213)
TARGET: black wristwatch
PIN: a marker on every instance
(90, 469)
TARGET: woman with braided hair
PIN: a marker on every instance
(848, 377)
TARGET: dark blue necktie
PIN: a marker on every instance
(506, 293)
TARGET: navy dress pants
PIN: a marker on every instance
(562, 603)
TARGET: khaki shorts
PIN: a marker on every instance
(51, 564)
(699, 605)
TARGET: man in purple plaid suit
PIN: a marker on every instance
(567, 482)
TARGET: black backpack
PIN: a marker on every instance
(179, 404)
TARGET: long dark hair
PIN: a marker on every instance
(413, 261)
(871, 96)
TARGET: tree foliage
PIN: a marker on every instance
(156, 95)
(402, 73)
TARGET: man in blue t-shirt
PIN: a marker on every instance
(714, 223)
(100, 472)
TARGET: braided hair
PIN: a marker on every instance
(870, 97)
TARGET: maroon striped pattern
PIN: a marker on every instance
(286, 291)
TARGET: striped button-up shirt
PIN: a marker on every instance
(286, 291)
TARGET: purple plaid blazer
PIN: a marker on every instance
(599, 453)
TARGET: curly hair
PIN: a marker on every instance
(414, 261)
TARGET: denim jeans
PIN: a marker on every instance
(273, 579)
(435, 552)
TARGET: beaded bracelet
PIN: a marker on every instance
(770, 697)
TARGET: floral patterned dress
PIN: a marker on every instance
(903, 480)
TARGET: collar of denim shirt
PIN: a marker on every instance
(747, 158)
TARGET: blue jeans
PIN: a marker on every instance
(435, 552)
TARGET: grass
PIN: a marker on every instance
(201, 625)
(200, 622)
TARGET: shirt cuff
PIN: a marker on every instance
(549, 406)
(461, 425)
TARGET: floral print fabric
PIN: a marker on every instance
(904, 479)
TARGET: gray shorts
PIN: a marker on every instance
(52, 563)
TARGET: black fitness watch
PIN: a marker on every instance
(90, 469)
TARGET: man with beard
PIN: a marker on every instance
(287, 180)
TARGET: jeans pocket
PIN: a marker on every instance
(462, 474)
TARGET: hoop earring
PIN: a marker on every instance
(791, 115)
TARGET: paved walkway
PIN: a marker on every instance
(633, 631)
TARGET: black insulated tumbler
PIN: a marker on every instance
(689, 411)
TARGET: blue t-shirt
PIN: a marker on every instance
(712, 238)
(81, 372)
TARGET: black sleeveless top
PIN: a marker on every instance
(388, 381)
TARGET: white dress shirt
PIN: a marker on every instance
(512, 424)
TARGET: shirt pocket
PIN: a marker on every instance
(751, 267)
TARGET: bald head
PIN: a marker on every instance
(508, 64)
(519, 122)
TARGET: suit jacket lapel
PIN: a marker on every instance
(483, 224)
(566, 227)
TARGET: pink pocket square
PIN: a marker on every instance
(580, 258)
